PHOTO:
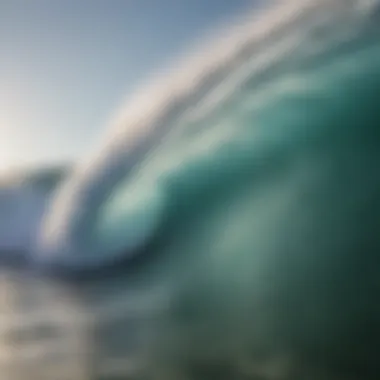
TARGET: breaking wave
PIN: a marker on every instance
(258, 90)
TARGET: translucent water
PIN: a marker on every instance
(242, 193)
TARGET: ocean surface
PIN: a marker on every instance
(225, 226)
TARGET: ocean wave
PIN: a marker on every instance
(248, 180)
(24, 197)
(258, 89)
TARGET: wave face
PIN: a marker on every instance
(268, 86)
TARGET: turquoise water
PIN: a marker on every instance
(239, 201)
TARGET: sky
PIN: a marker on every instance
(65, 66)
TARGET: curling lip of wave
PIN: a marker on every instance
(260, 47)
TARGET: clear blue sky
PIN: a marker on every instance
(66, 64)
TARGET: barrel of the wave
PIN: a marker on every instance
(117, 221)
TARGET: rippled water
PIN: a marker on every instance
(44, 330)
(56, 331)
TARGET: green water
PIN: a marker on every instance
(265, 262)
